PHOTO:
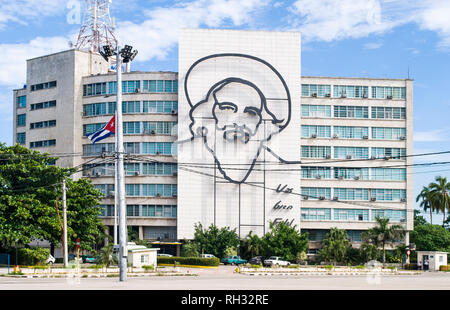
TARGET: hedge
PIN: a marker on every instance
(444, 268)
(411, 266)
(193, 261)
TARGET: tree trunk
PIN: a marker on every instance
(443, 219)
(431, 216)
(52, 249)
(384, 255)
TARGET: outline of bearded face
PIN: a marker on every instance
(237, 107)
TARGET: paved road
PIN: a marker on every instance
(225, 279)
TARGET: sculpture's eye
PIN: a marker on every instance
(251, 111)
(228, 106)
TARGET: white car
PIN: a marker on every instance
(165, 255)
(207, 256)
(50, 260)
(276, 261)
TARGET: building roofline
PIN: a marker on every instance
(61, 52)
(356, 78)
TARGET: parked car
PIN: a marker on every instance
(276, 261)
(88, 259)
(257, 260)
(207, 256)
(234, 260)
(166, 255)
(50, 260)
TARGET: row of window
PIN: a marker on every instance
(343, 152)
(309, 110)
(362, 194)
(353, 91)
(43, 124)
(378, 174)
(128, 107)
(328, 214)
(43, 105)
(144, 190)
(168, 211)
(131, 169)
(161, 128)
(43, 86)
(319, 235)
(45, 143)
(352, 132)
(148, 86)
(147, 148)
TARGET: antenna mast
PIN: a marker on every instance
(98, 28)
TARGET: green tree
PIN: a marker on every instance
(426, 201)
(214, 240)
(439, 195)
(430, 237)
(106, 255)
(334, 246)
(383, 234)
(30, 185)
(190, 249)
(251, 246)
(419, 219)
(368, 252)
(285, 241)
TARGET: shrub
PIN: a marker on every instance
(444, 268)
(194, 261)
(96, 267)
(255, 266)
(148, 267)
(411, 266)
(40, 267)
(59, 260)
(328, 267)
(33, 256)
(360, 267)
(293, 266)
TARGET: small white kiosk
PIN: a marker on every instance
(139, 255)
(431, 260)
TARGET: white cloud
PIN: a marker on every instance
(435, 135)
(436, 17)
(21, 11)
(373, 45)
(157, 35)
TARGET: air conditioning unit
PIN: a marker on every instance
(174, 195)
(341, 177)
(403, 199)
(328, 95)
(348, 156)
(402, 220)
(158, 153)
(365, 95)
(373, 157)
(305, 197)
(328, 156)
(389, 97)
(373, 199)
(335, 198)
(318, 177)
(321, 198)
(314, 135)
(356, 177)
(158, 195)
(335, 136)
(386, 158)
(97, 174)
(365, 137)
(343, 95)
(402, 138)
(137, 90)
(152, 132)
(136, 173)
(174, 112)
(314, 95)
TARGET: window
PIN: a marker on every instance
(388, 133)
(43, 105)
(98, 170)
(392, 215)
(131, 128)
(388, 113)
(157, 148)
(169, 211)
(351, 112)
(316, 110)
(308, 131)
(91, 128)
(159, 190)
(132, 168)
(21, 101)
(144, 259)
(94, 89)
(350, 132)
(161, 128)
(129, 107)
(388, 174)
(388, 194)
(132, 210)
(381, 92)
(309, 90)
(94, 109)
(129, 87)
(132, 190)
(354, 235)
(45, 143)
(350, 91)
(21, 138)
(160, 86)
(131, 147)
(107, 210)
(98, 149)
(387, 152)
(351, 215)
(316, 172)
(351, 193)
(159, 168)
(105, 189)
(316, 151)
(21, 120)
(316, 192)
(316, 214)
(351, 152)
(169, 107)
(351, 173)
(43, 86)
(43, 124)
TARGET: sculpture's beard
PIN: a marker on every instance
(235, 153)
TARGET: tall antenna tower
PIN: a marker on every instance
(98, 28)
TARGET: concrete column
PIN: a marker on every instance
(141, 233)
(107, 234)
(178, 250)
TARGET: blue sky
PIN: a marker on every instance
(350, 38)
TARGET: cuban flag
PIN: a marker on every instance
(104, 132)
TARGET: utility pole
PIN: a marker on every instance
(123, 238)
(115, 199)
(66, 255)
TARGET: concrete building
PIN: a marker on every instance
(345, 145)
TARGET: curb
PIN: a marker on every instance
(189, 266)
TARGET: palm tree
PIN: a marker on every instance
(426, 201)
(440, 195)
(253, 244)
(383, 234)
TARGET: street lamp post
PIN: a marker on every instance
(124, 55)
